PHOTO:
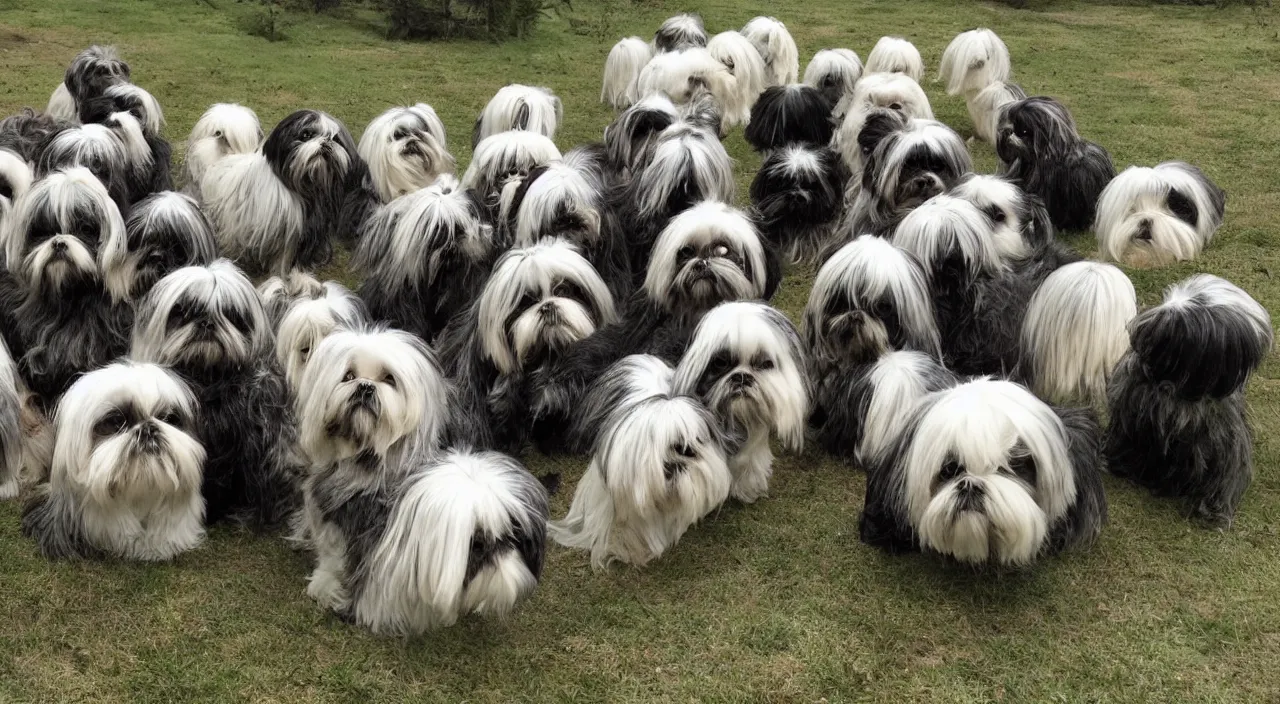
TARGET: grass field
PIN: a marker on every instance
(772, 602)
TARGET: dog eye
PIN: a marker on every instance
(895, 106)
(684, 451)
(217, 134)
(949, 471)
(307, 135)
(685, 253)
(389, 381)
(305, 352)
(350, 375)
(170, 417)
(528, 301)
(996, 214)
(110, 424)
(765, 364)
(562, 290)
(238, 321)
(721, 251)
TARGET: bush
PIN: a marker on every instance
(267, 20)
(496, 19)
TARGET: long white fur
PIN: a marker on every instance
(774, 42)
(137, 510)
(843, 64)
(152, 115)
(62, 104)
(251, 210)
(497, 156)
(682, 75)
(780, 404)
(538, 269)
(974, 60)
(875, 90)
(977, 424)
(416, 229)
(383, 145)
(544, 111)
(308, 322)
(984, 191)
(62, 194)
(625, 508)
(895, 55)
(1139, 193)
(1076, 330)
(622, 68)
(1214, 291)
(678, 148)
(864, 269)
(87, 145)
(416, 581)
(409, 388)
(12, 396)
(986, 104)
(562, 187)
(15, 172)
(225, 128)
(707, 222)
(741, 57)
(945, 224)
(121, 267)
(900, 380)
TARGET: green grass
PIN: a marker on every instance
(772, 602)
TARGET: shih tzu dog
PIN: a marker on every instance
(207, 323)
(798, 199)
(709, 254)
(225, 128)
(136, 119)
(904, 163)
(685, 75)
(1020, 221)
(986, 474)
(834, 72)
(57, 242)
(407, 539)
(126, 472)
(405, 149)
(679, 33)
(895, 55)
(684, 165)
(90, 73)
(1156, 216)
(978, 297)
(502, 157)
(1179, 425)
(26, 132)
(1074, 332)
(279, 293)
(627, 138)
(874, 92)
(747, 364)
(424, 256)
(1041, 151)
(974, 60)
(283, 205)
(308, 321)
(97, 148)
(164, 232)
(657, 467)
(795, 113)
(859, 412)
(15, 179)
(538, 302)
(566, 199)
(774, 42)
(868, 299)
(12, 421)
(519, 107)
(621, 88)
(987, 105)
(743, 60)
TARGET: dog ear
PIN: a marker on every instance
(880, 124)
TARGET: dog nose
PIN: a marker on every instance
(742, 380)
(148, 431)
(546, 309)
(59, 247)
(365, 389)
(206, 324)
(1144, 230)
(700, 265)
(927, 185)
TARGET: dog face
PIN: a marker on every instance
(311, 152)
(745, 362)
(225, 128)
(370, 390)
(202, 319)
(60, 231)
(406, 149)
(1156, 216)
(127, 434)
(164, 232)
(869, 298)
(708, 254)
(308, 322)
(906, 163)
(537, 302)
(1019, 220)
(987, 473)
(1034, 130)
(93, 70)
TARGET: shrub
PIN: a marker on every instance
(496, 19)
